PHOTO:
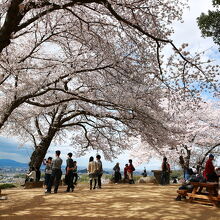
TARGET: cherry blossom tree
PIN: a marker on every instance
(103, 58)
(199, 139)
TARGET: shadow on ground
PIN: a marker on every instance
(124, 202)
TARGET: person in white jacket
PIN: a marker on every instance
(93, 172)
(31, 176)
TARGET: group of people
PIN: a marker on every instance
(128, 172)
(53, 173)
(210, 174)
(95, 172)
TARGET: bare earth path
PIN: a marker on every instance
(120, 202)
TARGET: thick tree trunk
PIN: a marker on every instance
(41, 149)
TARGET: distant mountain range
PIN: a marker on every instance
(6, 163)
(12, 163)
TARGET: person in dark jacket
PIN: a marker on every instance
(69, 173)
(100, 171)
(165, 176)
(117, 174)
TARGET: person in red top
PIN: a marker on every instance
(130, 170)
(209, 172)
(125, 171)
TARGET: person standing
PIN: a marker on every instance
(48, 170)
(69, 172)
(117, 174)
(126, 172)
(165, 172)
(92, 171)
(100, 171)
(144, 174)
(56, 173)
(75, 174)
(209, 172)
(130, 170)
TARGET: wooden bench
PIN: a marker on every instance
(182, 192)
(211, 197)
(30, 185)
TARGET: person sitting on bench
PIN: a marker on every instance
(188, 187)
(31, 176)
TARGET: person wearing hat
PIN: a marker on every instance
(69, 172)
(209, 172)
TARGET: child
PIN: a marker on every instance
(48, 171)
(75, 175)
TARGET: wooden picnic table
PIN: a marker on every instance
(210, 197)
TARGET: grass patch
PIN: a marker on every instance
(7, 186)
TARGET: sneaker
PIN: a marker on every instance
(47, 192)
(55, 192)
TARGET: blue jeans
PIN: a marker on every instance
(55, 178)
(186, 175)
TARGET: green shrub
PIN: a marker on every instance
(20, 175)
(7, 185)
(83, 178)
(176, 173)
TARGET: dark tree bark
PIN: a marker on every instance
(12, 21)
(41, 149)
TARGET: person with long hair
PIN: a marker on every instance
(92, 171)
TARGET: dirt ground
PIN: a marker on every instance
(116, 201)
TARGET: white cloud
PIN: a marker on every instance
(14, 156)
(189, 32)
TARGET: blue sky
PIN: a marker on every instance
(10, 149)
